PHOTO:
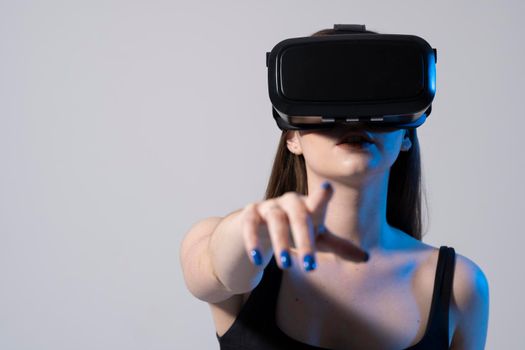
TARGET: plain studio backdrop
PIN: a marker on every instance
(122, 123)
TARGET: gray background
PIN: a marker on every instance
(124, 122)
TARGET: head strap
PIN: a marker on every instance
(350, 27)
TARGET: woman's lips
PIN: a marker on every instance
(356, 145)
(351, 137)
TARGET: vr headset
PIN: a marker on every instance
(354, 77)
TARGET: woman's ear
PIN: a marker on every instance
(406, 143)
(292, 142)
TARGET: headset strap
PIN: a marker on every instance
(350, 27)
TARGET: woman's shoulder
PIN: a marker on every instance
(471, 285)
(470, 298)
(469, 278)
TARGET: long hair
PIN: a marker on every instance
(404, 183)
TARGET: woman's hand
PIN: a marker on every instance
(269, 222)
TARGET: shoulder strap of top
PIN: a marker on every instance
(439, 313)
(448, 279)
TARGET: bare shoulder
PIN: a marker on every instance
(470, 283)
(197, 232)
(471, 299)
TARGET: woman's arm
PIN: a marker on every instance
(214, 260)
(215, 254)
(471, 296)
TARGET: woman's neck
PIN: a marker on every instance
(357, 211)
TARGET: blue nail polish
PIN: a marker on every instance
(256, 255)
(285, 259)
(309, 262)
(367, 257)
(326, 185)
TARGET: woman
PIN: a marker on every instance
(333, 257)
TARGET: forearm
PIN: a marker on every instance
(231, 264)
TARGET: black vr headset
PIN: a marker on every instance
(356, 77)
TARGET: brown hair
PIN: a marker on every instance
(404, 184)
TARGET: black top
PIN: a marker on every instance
(255, 327)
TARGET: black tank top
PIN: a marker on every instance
(255, 327)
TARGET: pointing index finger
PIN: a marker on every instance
(317, 202)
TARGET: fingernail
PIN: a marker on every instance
(256, 255)
(285, 259)
(326, 185)
(367, 257)
(321, 228)
(309, 262)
